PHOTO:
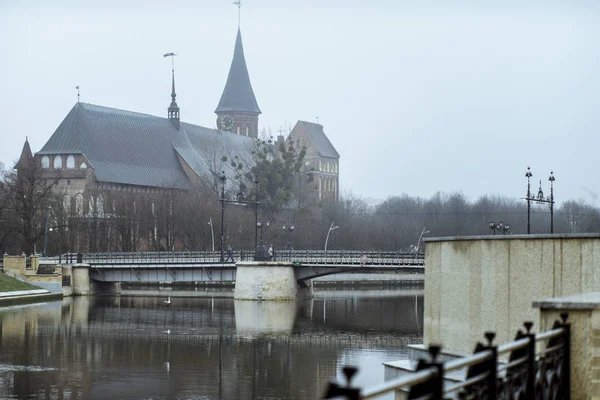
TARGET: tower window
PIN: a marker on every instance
(83, 165)
(45, 162)
(238, 130)
(58, 162)
(70, 162)
(247, 130)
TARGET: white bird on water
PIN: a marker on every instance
(168, 300)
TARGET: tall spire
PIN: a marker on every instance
(238, 95)
(173, 110)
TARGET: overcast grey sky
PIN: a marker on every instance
(417, 96)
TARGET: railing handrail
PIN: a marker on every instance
(400, 383)
(341, 257)
(484, 373)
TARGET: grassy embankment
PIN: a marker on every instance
(10, 284)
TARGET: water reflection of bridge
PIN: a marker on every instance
(113, 348)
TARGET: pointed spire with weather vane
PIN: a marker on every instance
(173, 110)
(238, 110)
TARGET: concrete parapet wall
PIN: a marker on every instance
(584, 317)
(14, 265)
(265, 281)
(488, 283)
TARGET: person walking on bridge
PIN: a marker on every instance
(229, 254)
(271, 253)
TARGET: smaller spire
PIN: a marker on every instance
(26, 159)
(173, 110)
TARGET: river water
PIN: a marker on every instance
(204, 346)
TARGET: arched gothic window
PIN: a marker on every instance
(57, 162)
(70, 162)
(45, 162)
(100, 205)
(67, 204)
(79, 205)
(83, 165)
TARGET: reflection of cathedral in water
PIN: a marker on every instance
(224, 349)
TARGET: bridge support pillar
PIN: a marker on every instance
(80, 276)
(83, 286)
(263, 280)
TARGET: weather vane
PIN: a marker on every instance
(239, 4)
(172, 55)
(77, 87)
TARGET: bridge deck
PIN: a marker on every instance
(207, 266)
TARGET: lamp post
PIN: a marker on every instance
(223, 179)
(528, 174)
(331, 228)
(423, 232)
(551, 179)
(256, 181)
(289, 229)
(260, 226)
(212, 233)
(540, 199)
(46, 230)
(500, 226)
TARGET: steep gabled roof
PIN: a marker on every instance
(238, 94)
(140, 149)
(320, 140)
(122, 146)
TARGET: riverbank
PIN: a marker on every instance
(14, 291)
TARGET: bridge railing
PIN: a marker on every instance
(337, 257)
(531, 367)
(350, 257)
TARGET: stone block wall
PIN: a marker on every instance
(488, 283)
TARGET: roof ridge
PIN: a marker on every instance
(119, 109)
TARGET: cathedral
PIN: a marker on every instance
(104, 148)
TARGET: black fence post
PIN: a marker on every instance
(493, 366)
(566, 367)
(531, 372)
(348, 392)
(433, 388)
(79, 258)
(437, 392)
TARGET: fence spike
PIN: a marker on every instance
(490, 336)
(564, 317)
(349, 372)
(528, 325)
(434, 350)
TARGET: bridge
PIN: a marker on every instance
(206, 266)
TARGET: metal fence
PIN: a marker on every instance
(337, 257)
(515, 370)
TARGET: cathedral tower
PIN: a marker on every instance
(238, 110)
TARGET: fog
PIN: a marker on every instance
(416, 96)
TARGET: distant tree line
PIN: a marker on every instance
(35, 215)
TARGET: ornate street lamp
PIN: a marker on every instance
(540, 199)
(528, 174)
(289, 229)
(223, 179)
(500, 226)
(551, 179)
(261, 253)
